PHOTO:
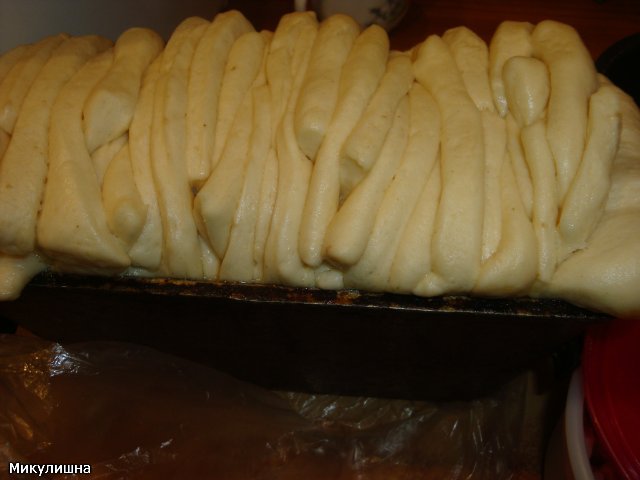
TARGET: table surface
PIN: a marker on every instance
(600, 23)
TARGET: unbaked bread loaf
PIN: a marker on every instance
(315, 156)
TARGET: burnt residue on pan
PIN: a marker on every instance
(266, 293)
(317, 341)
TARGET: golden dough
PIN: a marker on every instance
(109, 108)
(18, 80)
(360, 77)
(181, 246)
(282, 257)
(362, 148)
(586, 197)
(513, 267)
(205, 78)
(313, 156)
(527, 88)
(457, 238)
(10, 58)
(351, 227)
(545, 197)
(519, 164)
(573, 80)
(495, 146)
(511, 39)
(412, 261)
(72, 228)
(216, 203)
(319, 94)
(102, 156)
(471, 55)
(373, 270)
(146, 252)
(245, 60)
(239, 262)
(123, 205)
(23, 168)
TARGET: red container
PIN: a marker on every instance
(611, 365)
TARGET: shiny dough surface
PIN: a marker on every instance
(316, 156)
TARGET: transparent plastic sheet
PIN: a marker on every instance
(134, 413)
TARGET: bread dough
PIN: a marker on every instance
(103, 155)
(472, 58)
(373, 270)
(208, 68)
(72, 228)
(545, 198)
(360, 76)
(239, 262)
(511, 39)
(17, 83)
(319, 94)
(573, 80)
(289, 55)
(146, 252)
(313, 156)
(23, 168)
(364, 144)
(585, 200)
(124, 208)
(109, 108)
(457, 237)
(181, 253)
(351, 227)
(246, 58)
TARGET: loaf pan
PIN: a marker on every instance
(300, 339)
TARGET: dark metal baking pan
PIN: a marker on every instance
(340, 342)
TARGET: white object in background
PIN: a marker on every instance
(574, 430)
(386, 13)
(567, 457)
(26, 21)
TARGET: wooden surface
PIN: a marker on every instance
(600, 23)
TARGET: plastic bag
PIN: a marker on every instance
(135, 413)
